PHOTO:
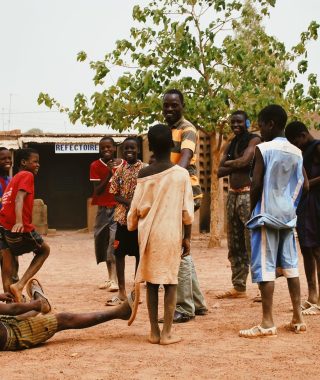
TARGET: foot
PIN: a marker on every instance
(107, 285)
(232, 293)
(114, 301)
(297, 328)
(201, 312)
(154, 337)
(169, 339)
(313, 309)
(35, 292)
(258, 332)
(181, 318)
(113, 286)
(16, 291)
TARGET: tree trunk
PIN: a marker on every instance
(215, 208)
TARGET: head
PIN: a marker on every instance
(28, 159)
(272, 121)
(238, 122)
(5, 160)
(160, 139)
(172, 106)
(107, 148)
(297, 133)
(130, 149)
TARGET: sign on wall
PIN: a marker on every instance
(76, 148)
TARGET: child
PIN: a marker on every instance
(5, 166)
(308, 224)
(122, 186)
(101, 172)
(162, 203)
(275, 192)
(16, 221)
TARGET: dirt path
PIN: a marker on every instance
(210, 348)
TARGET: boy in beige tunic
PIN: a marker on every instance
(162, 204)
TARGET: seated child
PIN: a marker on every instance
(16, 222)
(122, 185)
(162, 204)
(275, 191)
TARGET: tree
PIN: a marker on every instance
(217, 53)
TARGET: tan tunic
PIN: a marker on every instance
(161, 204)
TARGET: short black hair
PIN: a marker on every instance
(24, 154)
(294, 129)
(240, 112)
(3, 148)
(174, 91)
(131, 138)
(274, 113)
(108, 138)
(160, 138)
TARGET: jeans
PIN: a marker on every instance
(189, 296)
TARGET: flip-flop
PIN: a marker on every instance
(259, 332)
(297, 328)
(114, 301)
(34, 286)
(314, 309)
(232, 293)
(133, 299)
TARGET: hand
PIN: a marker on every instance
(6, 297)
(227, 163)
(18, 227)
(186, 246)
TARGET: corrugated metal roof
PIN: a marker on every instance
(64, 139)
(9, 144)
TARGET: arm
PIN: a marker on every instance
(185, 158)
(247, 156)
(257, 180)
(186, 240)
(100, 186)
(224, 171)
(18, 308)
(306, 183)
(122, 200)
(18, 227)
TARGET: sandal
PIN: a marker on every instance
(297, 328)
(259, 332)
(314, 309)
(134, 300)
(33, 287)
(232, 293)
(114, 301)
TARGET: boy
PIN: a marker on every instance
(275, 192)
(162, 204)
(308, 224)
(122, 186)
(101, 172)
(21, 327)
(16, 222)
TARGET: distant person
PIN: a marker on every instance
(5, 166)
(101, 172)
(275, 192)
(190, 300)
(122, 186)
(22, 326)
(162, 204)
(236, 163)
(16, 223)
(308, 225)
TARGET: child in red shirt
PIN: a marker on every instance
(16, 221)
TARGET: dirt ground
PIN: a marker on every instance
(211, 348)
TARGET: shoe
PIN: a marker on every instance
(181, 318)
(201, 312)
(113, 286)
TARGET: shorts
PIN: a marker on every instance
(126, 242)
(30, 332)
(23, 242)
(274, 253)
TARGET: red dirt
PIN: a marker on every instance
(210, 348)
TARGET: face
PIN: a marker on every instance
(266, 130)
(130, 151)
(5, 161)
(300, 141)
(31, 164)
(172, 108)
(238, 124)
(107, 150)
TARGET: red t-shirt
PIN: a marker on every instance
(98, 172)
(22, 181)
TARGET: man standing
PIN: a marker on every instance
(236, 163)
(190, 301)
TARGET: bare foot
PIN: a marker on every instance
(16, 291)
(170, 339)
(154, 338)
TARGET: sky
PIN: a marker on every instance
(41, 38)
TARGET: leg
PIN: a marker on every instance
(111, 260)
(137, 264)
(34, 267)
(170, 299)
(68, 321)
(7, 269)
(294, 289)
(120, 265)
(152, 303)
(185, 304)
(267, 289)
(310, 271)
(316, 253)
(198, 298)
